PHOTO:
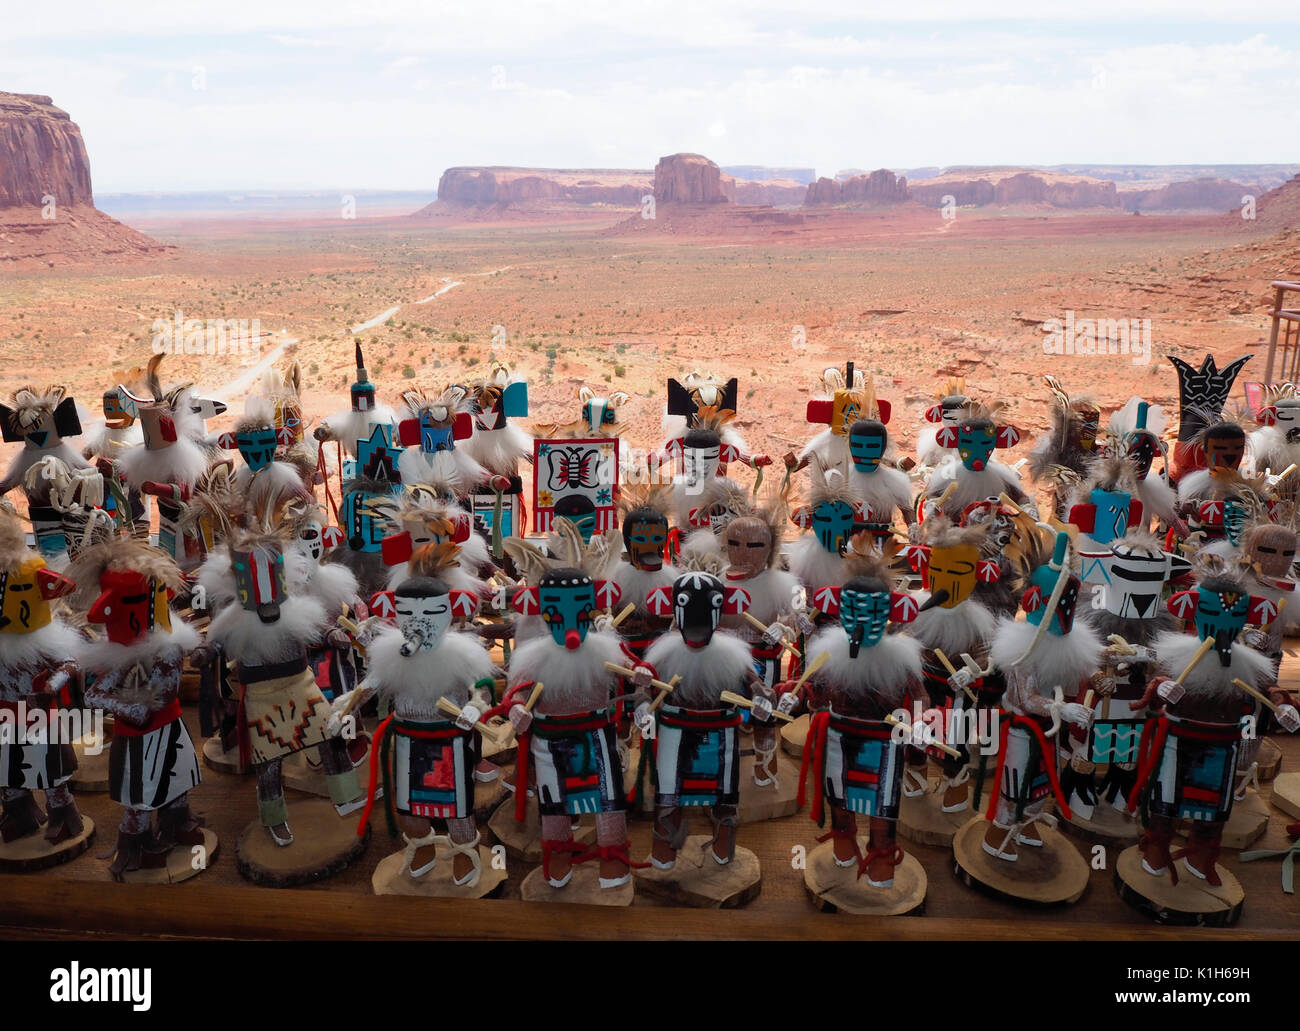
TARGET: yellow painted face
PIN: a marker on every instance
(846, 409)
(24, 596)
(953, 570)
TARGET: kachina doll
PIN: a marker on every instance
(133, 672)
(880, 486)
(50, 472)
(371, 480)
(1275, 446)
(1202, 394)
(576, 467)
(424, 514)
(1129, 575)
(264, 476)
(268, 632)
(775, 613)
(1188, 759)
(952, 621)
(698, 391)
(704, 456)
(642, 568)
(1043, 659)
(696, 733)
(1103, 504)
(1061, 456)
(1135, 430)
(426, 757)
(854, 757)
(108, 439)
(829, 516)
(348, 428)
(973, 474)
(499, 446)
(567, 742)
(39, 657)
(846, 397)
(433, 428)
(1003, 543)
(952, 405)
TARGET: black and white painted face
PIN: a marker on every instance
(697, 607)
(422, 619)
(311, 541)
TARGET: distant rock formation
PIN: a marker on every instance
(764, 174)
(498, 186)
(1004, 187)
(691, 179)
(47, 208)
(779, 193)
(876, 188)
(1277, 209)
(1193, 195)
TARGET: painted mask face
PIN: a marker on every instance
(363, 396)
(1043, 581)
(952, 573)
(1089, 421)
(1288, 418)
(832, 522)
(288, 416)
(1111, 516)
(1273, 550)
(116, 416)
(1134, 580)
(1220, 617)
(1225, 446)
(867, 441)
(697, 607)
(1141, 448)
(130, 606)
(567, 602)
(259, 580)
(645, 532)
(599, 415)
(749, 545)
(864, 612)
(423, 613)
(158, 427)
(846, 409)
(436, 425)
(25, 594)
(311, 541)
(952, 408)
(579, 510)
(976, 440)
(257, 446)
(488, 411)
(701, 458)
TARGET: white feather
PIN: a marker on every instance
(348, 427)
(1210, 677)
(499, 451)
(184, 462)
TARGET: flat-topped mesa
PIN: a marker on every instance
(42, 154)
(691, 179)
(878, 187)
(489, 186)
(981, 187)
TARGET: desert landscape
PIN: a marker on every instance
(620, 279)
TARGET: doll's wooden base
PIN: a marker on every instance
(1108, 826)
(303, 771)
(523, 841)
(793, 736)
(1191, 902)
(223, 760)
(1269, 759)
(583, 888)
(839, 889)
(33, 852)
(1052, 874)
(698, 880)
(921, 818)
(323, 844)
(183, 862)
(773, 801)
(92, 765)
(1286, 793)
(390, 878)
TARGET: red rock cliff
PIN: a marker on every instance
(41, 153)
(691, 179)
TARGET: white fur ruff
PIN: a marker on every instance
(499, 451)
(1193, 484)
(53, 643)
(455, 469)
(1211, 678)
(349, 427)
(814, 565)
(247, 639)
(884, 490)
(184, 462)
(575, 681)
(881, 671)
(968, 627)
(1158, 499)
(157, 645)
(830, 449)
(972, 486)
(721, 665)
(416, 682)
(1055, 660)
(634, 584)
(772, 593)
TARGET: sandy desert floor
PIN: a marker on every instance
(908, 295)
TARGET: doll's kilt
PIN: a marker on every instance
(1190, 767)
(284, 711)
(575, 763)
(34, 765)
(697, 757)
(863, 766)
(1027, 764)
(150, 767)
(433, 769)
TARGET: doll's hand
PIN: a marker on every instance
(203, 655)
(338, 639)
(520, 718)
(762, 709)
(1104, 685)
(762, 460)
(321, 433)
(1170, 691)
(1253, 637)
(641, 678)
(469, 715)
(777, 632)
(1289, 718)
(788, 702)
(805, 625)
(789, 459)
(645, 721)
(603, 623)
(1079, 715)
(961, 679)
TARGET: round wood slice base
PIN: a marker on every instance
(793, 736)
(488, 795)
(1108, 826)
(698, 880)
(1052, 874)
(921, 819)
(220, 759)
(182, 863)
(771, 802)
(33, 852)
(838, 889)
(1286, 793)
(323, 844)
(1191, 902)
(523, 841)
(92, 766)
(583, 888)
(1269, 758)
(303, 772)
(391, 879)
(1247, 824)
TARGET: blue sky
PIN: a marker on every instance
(386, 94)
